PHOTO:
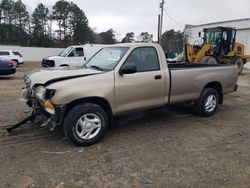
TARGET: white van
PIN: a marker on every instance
(72, 56)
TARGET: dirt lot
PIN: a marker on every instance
(173, 148)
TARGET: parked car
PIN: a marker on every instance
(72, 56)
(7, 67)
(121, 79)
(12, 55)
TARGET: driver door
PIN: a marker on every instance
(143, 89)
(76, 57)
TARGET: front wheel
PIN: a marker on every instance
(85, 124)
(207, 104)
(16, 63)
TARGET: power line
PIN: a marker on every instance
(180, 25)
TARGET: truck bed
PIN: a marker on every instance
(188, 80)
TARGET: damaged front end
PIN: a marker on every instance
(44, 112)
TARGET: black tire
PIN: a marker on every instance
(71, 120)
(200, 105)
(16, 62)
(64, 65)
(211, 60)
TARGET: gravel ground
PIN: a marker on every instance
(165, 148)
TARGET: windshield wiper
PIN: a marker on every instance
(96, 67)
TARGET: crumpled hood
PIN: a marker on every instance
(51, 75)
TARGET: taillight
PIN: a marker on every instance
(11, 63)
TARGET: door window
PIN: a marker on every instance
(145, 59)
(4, 53)
(77, 52)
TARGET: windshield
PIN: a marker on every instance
(65, 52)
(212, 36)
(107, 58)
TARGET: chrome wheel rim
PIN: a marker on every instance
(88, 126)
(211, 103)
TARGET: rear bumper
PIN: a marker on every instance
(7, 71)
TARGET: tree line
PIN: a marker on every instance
(63, 25)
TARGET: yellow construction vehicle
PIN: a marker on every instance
(219, 47)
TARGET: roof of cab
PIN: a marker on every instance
(136, 44)
(90, 45)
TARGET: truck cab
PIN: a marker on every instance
(74, 56)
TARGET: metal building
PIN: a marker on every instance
(242, 26)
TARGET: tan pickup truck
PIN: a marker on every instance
(122, 79)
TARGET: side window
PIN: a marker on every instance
(77, 52)
(4, 53)
(145, 58)
(224, 35)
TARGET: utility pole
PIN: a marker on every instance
(161, 21)
(1, 12)
(158, 32)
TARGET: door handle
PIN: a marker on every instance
(158, 77)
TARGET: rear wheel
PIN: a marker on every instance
(207, 104)
(85, 124)
(210, 60)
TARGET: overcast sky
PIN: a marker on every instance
(141, 15)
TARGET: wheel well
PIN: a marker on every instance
(217, 86)
(95, 100)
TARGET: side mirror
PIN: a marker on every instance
(85, 59)
(129, 68)
(199, 34)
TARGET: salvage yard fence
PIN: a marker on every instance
(32, 53)
(37, 54)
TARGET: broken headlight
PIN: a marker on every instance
(40, 92)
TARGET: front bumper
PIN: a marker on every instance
(48, 63)
(44, 118)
